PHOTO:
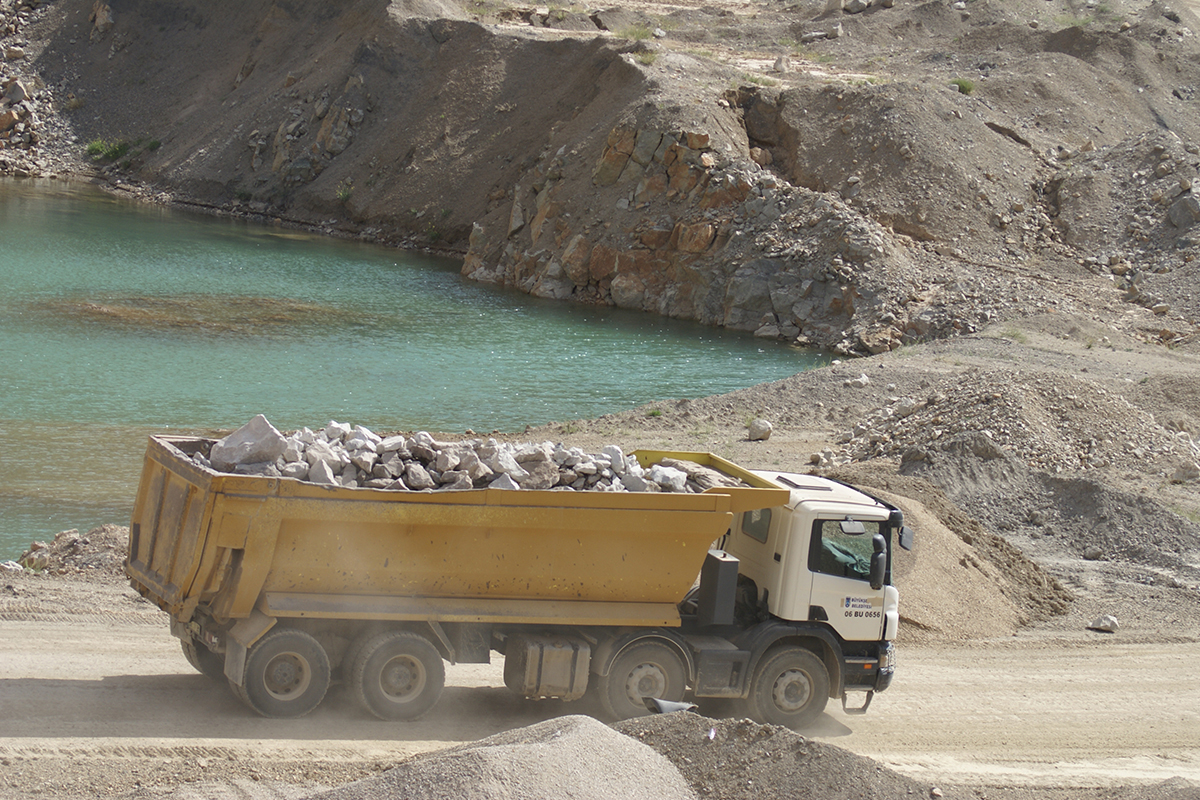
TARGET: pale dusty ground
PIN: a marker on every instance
(98, 702)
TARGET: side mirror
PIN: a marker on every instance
(878, 561)
(906, 538)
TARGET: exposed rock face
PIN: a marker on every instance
(856, 215)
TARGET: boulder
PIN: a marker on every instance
(256, 441)
(760, 430)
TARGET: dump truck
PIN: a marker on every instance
(775, 593)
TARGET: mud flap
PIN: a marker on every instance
(237, 644)
(860, 710)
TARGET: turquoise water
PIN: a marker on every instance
(121, 320)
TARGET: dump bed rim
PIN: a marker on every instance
(759, 493)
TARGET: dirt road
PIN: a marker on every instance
(103, 703)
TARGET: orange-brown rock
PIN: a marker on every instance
(603, 263)
(622, 140)
(724, 193)
(575, 259)
(650, 187)
(656, 238)
(683, 176)
(546, 210)
(616, 154)
(8, 119)
(693, 238)
(612, 163)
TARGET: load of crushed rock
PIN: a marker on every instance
(341, 454)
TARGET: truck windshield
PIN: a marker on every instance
(845, 555)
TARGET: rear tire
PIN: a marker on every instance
(397, 675)
(287, 674)
(203, 660)
(790, 688)
(648, 669)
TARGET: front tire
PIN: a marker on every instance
(648, 669)
(397, 675)
(790, 688)
(287, 674)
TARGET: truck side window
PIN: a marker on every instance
(836, 553)
(757, 524)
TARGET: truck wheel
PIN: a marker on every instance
(790, 688)
(205, 661)
(398, 675)
(649, 669)
(287, 674)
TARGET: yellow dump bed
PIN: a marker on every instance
(233, 544)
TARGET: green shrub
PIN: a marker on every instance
(637, 32)
(964, 85)
(104, 150)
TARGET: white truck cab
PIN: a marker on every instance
(820, 567)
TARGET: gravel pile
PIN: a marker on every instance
(100, 550)
(341, 454)
(1057, 424)
(743, 760)
(573, 757)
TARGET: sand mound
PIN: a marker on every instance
(568, 757)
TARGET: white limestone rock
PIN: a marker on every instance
(540, 475)
(446, 460)
(616, 458)
(760, 430)
(500, 459)
(456, 479)
(295, 469)
(364, 460)
(479, 472)
(321, 451)
(336, 431)
(256, 441)
(669, 478)
(418, 478)
(505, 481)
(321, 472)
(391, 444)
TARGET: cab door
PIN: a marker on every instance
(839, 558)
(755, 539)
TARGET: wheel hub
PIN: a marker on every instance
(402, 678)
(646, 680)
(286, 675)
(791, 690)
